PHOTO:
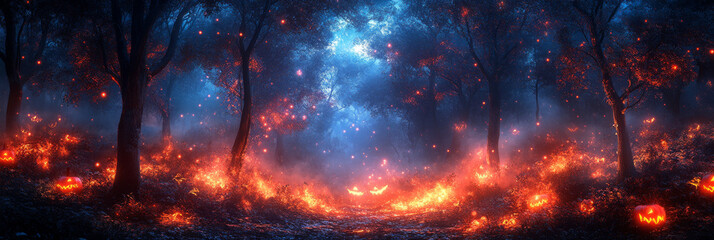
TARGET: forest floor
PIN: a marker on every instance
(30, 209)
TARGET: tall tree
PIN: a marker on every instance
(494, 32)
(627, 64)
(133, 25)
(28, 27)
(252, 16)
(255, 20)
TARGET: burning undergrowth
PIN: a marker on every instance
(552, 185)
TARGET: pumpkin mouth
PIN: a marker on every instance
(538, 203)
(651, 220)
(708, 188)
(7, 159)
(67, 187)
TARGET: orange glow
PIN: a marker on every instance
(587, 206)
(103, 95)
(355, 191)
(539, 201)
(7, 156)
(69, 184)
(379, 191)
(509, 221)
(706, 185)
(476, 224)
(650, 215)
(175, 217)
(431, 199)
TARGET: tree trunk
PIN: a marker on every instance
(624, 150)
(537, 109)
(431, 123)
(14, 102)
(460, 127)
(166, 113)
(279, 149)
(128, 174)
(12, 70)
(241, 142)
(494, 122)
(166, 126)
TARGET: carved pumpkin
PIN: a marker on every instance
(706, 185)
(650, 215)
(7, 157)
(587, 206)
(67, 184)
(539, 201)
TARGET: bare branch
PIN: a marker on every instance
(173, 42)
(122, 54)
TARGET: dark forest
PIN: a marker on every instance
(366, 119)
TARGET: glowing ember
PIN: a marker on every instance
(175, 217)
(587, 206)
(539, 201)
(476, 224)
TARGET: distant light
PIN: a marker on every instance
(240, 34)
(103, 94)
(711, 51)
(200, 32)
(39, 62)
(674, 67)
(389, 45)
(299, 72)
(282, 21)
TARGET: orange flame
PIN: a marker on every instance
(378, 191)
(355, 191)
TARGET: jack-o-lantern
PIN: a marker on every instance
(7, 157)
(587, 206)
(650, 215)
(69, 184)
(706, 185)
(539, 201)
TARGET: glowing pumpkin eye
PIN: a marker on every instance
(650, 212)
(5, 154)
